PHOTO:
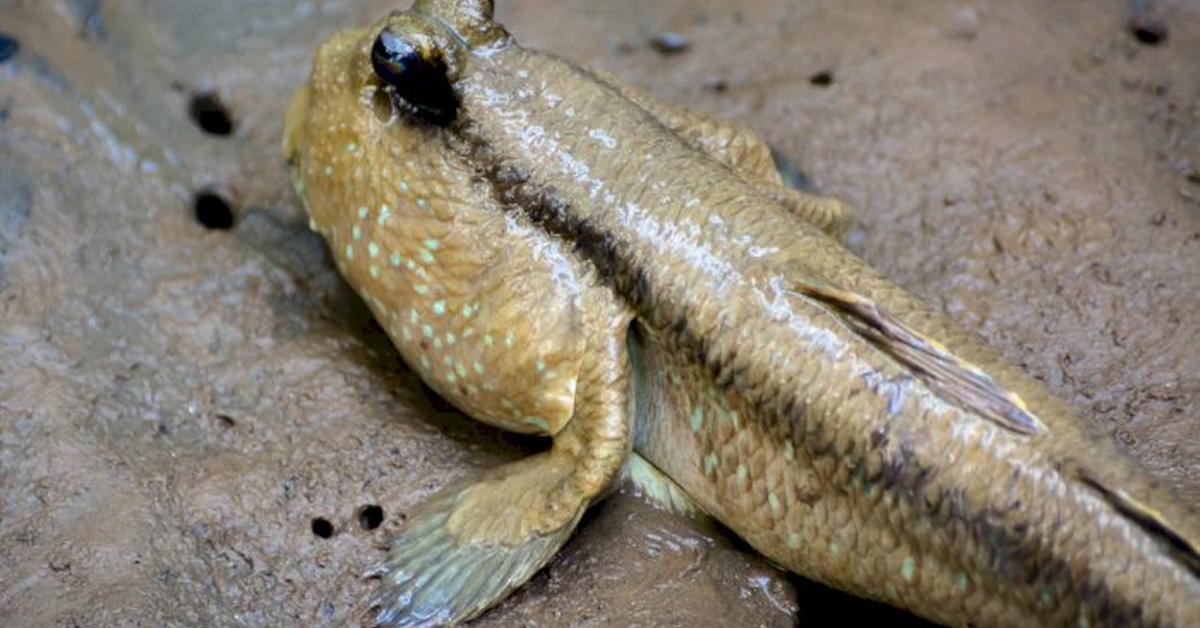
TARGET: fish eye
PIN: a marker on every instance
(418, 79)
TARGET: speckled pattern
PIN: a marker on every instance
(494, 315)
(450, 277)
(837, 442)
(178, 405)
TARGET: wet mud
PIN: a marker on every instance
(201, 425)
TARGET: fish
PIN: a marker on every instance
(558, 253)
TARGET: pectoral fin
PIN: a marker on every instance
(473, 543)
(658, 488)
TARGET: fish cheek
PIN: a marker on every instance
(529, 346)
(484, 307)
(482, 304)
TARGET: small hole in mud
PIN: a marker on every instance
(717, 85)
(1148, 31)
(9, 47)
(824, 78)
(322, 528)
(213, 211)
(370, 516)
(210, 114)
(670, 43)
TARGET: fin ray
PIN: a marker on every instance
(1149, 520)
(965, 384)
(658, 488)
(435, 575)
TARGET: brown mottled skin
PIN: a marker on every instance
(571, 257)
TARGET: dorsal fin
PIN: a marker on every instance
(953, 378)
(1148, 519)
(969, 387)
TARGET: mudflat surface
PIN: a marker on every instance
(195, 421)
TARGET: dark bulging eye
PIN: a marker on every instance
(421, 82)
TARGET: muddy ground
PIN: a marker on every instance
(200, 425)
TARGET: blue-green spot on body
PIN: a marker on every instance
(710, 463)
(363, 211)
(439, 307)
(697, 418)
(426, 256)
(372, 249)
(908, 568)
(431, 244)
(961, 581)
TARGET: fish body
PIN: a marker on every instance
(557, 253)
